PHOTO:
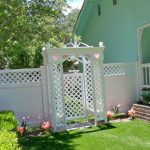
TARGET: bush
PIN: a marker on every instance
(145, 99)
(8, 121)
(8, 128)
(8, 140)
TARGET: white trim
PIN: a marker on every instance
(139, 35)
(79, 16)
(145, 86)
(144, 26)
(77, 51)
(20, 70)
(145, 65)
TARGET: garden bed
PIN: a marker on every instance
(142, 111)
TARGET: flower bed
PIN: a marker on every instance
(142, 111)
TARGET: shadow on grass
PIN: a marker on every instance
(106, 126)
(58, 141)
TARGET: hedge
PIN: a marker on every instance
(8, 128)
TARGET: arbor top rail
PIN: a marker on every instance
(72, 50)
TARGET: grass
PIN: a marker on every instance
(133, 135)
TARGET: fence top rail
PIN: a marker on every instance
(20, 70)
(120, 64)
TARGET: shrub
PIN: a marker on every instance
(145, 99)
(8, 140)
(8, 135)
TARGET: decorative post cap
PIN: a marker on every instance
(43, 49)
(101, 44)
(75, 41)
(48, 45)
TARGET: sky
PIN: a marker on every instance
(75, 4)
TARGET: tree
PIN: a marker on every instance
(69, 23)
(25, 27)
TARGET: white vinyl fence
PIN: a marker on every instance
(121, 85)
(21, 90)
(25, 90)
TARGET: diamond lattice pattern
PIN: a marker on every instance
(20, 76)
(98, 89)
(58, 94)
(74, 96)
(88, 86)
(116, 69)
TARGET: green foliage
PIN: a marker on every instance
(67, 65)
(68, 25)
(145, 99)
(8, 127)
(8, 140)
(25, 27)
(8, 121)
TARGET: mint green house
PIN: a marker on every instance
(123, 26)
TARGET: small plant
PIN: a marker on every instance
(20, 130)
(115, 109)
(131, 113)
(109, 115)
(145, 99)
(46, 126)
(23, 128)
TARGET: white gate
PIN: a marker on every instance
(74, 96)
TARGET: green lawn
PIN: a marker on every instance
(133, 135)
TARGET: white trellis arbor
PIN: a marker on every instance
(75, 95)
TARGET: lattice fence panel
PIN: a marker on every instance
(98, 89)
(115, 69)
(58, 94)
(74, 96)
(119, 69)
(88, 86)
(20, 76)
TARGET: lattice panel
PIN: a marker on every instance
(116, 69)
(88, 86)
(20, 76)
(58, 94)
(98, 88)
(74, 96)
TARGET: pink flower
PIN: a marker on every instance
(46, 125)
(20, 130)
(131, 112)
(109, 114)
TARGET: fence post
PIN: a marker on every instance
(44, 88)
(139, 79)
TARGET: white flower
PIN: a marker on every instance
(118, 105)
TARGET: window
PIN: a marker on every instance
(114, 2)
(99, 9)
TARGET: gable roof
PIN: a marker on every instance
(83, 16)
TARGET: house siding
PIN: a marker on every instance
(117, 28)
